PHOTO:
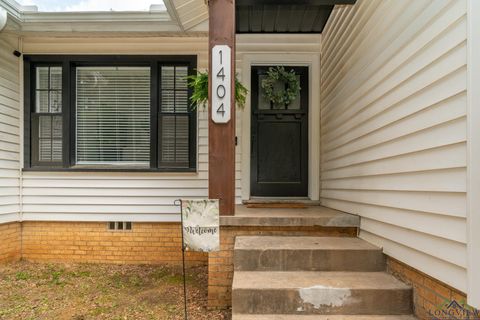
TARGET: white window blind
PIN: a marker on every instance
(113, 115)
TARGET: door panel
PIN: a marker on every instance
(279, 164)
(279, 154)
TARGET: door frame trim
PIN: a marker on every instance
(312, 61)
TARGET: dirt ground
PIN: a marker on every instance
(91, 291)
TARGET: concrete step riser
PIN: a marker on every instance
(322, 301)
(309, 260)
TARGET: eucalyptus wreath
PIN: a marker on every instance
(281, 97)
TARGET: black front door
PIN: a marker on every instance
(279, 164)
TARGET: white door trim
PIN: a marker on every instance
(313, 62)
(473, 152)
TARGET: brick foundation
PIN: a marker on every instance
(220, 264)
(430, 296)
(10, 242)
(158, 243)
(92, 242)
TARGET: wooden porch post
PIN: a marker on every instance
(221, 106)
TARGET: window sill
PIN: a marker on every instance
(110, 169)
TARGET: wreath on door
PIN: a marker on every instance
(290, 81)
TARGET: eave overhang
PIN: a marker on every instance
(284, 16)
(28, 21)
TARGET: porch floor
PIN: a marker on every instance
(290, 217)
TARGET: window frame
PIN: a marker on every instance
(69, 64)
(32, 110)
(160, 113)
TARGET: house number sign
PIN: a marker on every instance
(221, 84)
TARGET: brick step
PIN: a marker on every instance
(341, 293)
(266, 253)
(318, 317)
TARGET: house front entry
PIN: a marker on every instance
(279, 138)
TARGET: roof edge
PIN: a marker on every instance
(27, 19)
(3, 19)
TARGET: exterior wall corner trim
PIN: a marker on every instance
(473, 152)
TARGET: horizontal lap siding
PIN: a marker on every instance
(9, 131)
(394, 128)
(101, 196)
(77, 196)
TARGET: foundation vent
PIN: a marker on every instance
(119, 226)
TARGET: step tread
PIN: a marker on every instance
(301, 243)
(319, 317)
(319, 279)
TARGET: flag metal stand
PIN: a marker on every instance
(177, 203)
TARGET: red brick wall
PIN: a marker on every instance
(10, 240)
(92, 242)
(431, 297)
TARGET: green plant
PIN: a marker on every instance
(22, 275)
(56, 277)
(290, 81)
(199, 84)
(55, 274)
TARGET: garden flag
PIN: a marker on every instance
(201, 225)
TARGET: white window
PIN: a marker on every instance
(113, 115)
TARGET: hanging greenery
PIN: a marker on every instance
(288, 79)
(199, 84)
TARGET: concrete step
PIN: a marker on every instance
(334, 221)
(257, 253)
(340, 293)
(318, 317)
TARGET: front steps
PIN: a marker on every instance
(312, 277)
(306, 254)
(306, 292)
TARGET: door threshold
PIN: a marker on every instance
(281, 201)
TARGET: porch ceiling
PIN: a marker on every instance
(284, 16)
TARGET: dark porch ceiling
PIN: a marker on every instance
(284, 16)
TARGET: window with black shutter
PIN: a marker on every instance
(109, 113)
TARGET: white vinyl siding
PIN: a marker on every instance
(393, 123)
(97, 196)
(9, 131)
(121, 196)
